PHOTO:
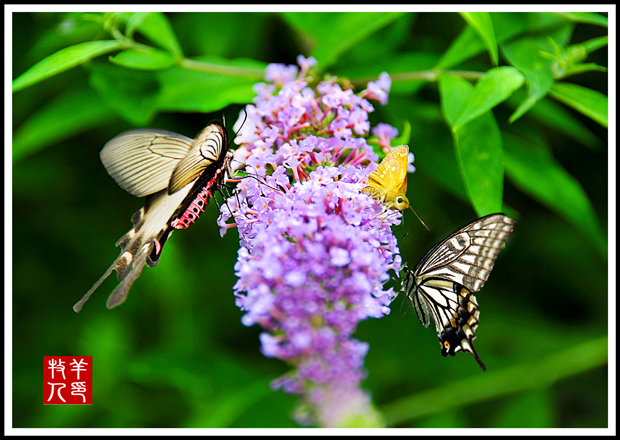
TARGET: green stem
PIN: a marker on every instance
(483, 387)
(218, 69)
(422, 75)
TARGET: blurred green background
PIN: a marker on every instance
(175, 354)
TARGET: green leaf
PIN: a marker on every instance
(566, 61)
(466, 45)
(331, 34)
(483, 26)
(556, 117)
(524, 55)
(131, 93)
(153, 59)
(455, 93)
(74, 111)
(582, 68)
(584, 17)
(71, 29)
(405, 136)
(63, 60)
(134, 22)
(431, 144)
(587, 101)
(533, 169)
(156, 27)
(479, 154)
(507, 25)
(495, 87)
(594, 44)
(191, 91)
(478, 147)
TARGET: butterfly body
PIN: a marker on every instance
(441, 285)
(177, 175)
(388, 183)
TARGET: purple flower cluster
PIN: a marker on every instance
(314, 252)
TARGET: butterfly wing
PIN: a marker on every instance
(142, 161)
(442, 283)
(208, 148)
(166, 167)
(389, 180)
(467, 256)
(141, 245)
(392, 170)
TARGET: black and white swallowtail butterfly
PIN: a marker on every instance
(178, 175)
(443, 282)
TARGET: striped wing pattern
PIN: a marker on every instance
(443, 282)
(205, 150)
(142, 161)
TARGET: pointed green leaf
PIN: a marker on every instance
(478, 148)
(72, 112)
(482, 24)
(63, 60)
(134, 21)
(496, 86)
(479, 154)
(507, 25)
(153, 59)
(524, 54)
(454, 92)
(533, 169)
(587, 101)
(584, 17)
(567, 61)
(131, 93)
(156, 27)
(582, 68)
(528, 55)
(557, 117)
(405, 136)
(595, 44)
(191, 91)
(466, 46)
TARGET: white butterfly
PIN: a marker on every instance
(442, 283)
(178, 175)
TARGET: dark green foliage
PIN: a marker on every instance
(525, 98)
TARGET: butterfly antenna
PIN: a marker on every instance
(245, 118)
(225, 198)
(223, 118)
(408, 305)
(423, 224)
(256, 177)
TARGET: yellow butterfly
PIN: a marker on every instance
(388, 183)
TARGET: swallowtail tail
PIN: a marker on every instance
(443, 282)
(177, 175)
